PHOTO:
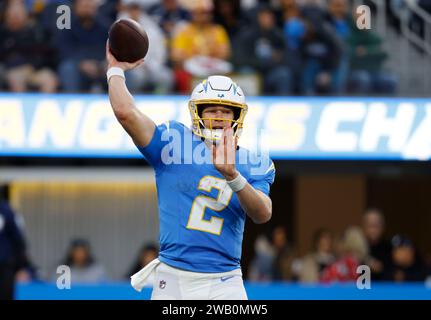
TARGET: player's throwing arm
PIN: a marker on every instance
(138, 125)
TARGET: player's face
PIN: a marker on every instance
(218, 112)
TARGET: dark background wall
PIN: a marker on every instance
(304, 202)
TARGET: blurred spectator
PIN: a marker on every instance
(338, 14)
(23, 52)
(228, 14)
(312, 265)
(294, 29)
(33, 6)
(83, 267)
(109, 9)
(82, 49)
(262, 48)
(261, 265)
(249, 4)
(373, 225)
(153, 75)
(353, 251)
(293, 23)
(14, 264)
(250, 10)
(367, 57)
(407, 264)
(321, 50)
(273, 260)
(147, 253)
(200, 37)
(339, 17)
(48, 16)
(314, 48)
(283, 255)
(314, 10)
(169, 15)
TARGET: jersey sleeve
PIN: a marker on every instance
(263, 181)
(153, 151)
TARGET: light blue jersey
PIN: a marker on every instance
(201, 220)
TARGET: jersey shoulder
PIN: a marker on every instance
(176, 125)
(259, 170)
(258, 164)
(170, 131)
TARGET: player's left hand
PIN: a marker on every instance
(223, 154)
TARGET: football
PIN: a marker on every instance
(128, 42)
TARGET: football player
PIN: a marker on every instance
(202, 204)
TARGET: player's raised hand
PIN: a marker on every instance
(112, 62)
(223, 154)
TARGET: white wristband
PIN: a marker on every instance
(114, 71)
(238, 183)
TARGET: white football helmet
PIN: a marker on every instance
(219, 90)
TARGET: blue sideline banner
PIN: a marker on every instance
(341, 128)
(255, 291)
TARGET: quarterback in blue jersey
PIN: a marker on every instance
(206, 186)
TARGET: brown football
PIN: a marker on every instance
(128, 42)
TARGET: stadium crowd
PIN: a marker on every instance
(336, 257)
(290, 47)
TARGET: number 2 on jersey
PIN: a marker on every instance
(196, 217)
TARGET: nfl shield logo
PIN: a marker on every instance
(162, 284)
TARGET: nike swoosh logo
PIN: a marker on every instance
(226, 278)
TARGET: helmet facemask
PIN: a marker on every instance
(211, 133)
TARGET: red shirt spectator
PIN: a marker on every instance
(343, 270)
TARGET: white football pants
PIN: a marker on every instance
(175, 284)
